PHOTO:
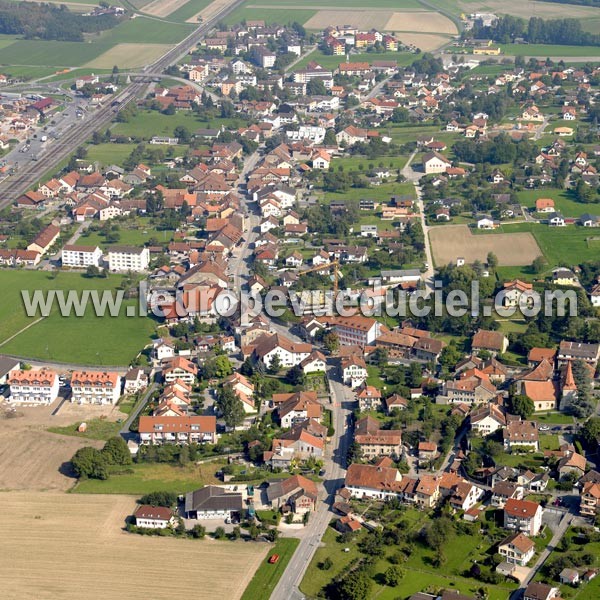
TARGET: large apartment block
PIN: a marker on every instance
(128, 258)
(33, 387)
(95, 387)
(81, 256)
(177, 430)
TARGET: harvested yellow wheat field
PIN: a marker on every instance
(448, 242)
(163, 8)
(363, 19)
(71, 547)
(421, 22)
(126, 56)
(425, 41)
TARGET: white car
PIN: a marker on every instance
(544, 428)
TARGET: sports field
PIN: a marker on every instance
(72, 547)
(453, 241)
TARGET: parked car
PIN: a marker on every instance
(273, 559)
(544, 428)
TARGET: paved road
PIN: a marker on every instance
(137, 410)
(414, 177)
(335, 472)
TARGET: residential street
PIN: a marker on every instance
(335, 471)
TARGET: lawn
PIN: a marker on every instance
(86, 340)
(97, 429)
(553, 418)
(549, 442)
(563, 201)
(355, 163)
(148, 123)
(545, 50)
(144, 478)
(381, 192)
(109, 154)
(135, 232)
(267, 575)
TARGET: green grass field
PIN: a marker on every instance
(97, 429)
(147, 123)
(548, 50)
(133, 232)
(329, 61)
(144, 478)
(145, 30)
(563, 201)
(267, 575)
(51, 53)
(86, 340)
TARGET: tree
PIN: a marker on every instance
(591, 432)
(275, 365)
(198, 531)
(166, 499)
(331, 341)
(355, 585)
(90, 462)
(295, 376)
(116, 451)
(330, 139)
(230, 406)
(492, 260)
(219, 533)
(522, 406)
(326, 564)
(184, 455)
(539, 264)
(392, 576)
(92, 271)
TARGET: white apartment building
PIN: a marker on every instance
(356, 330)
(81, 256)
(128, 258)
(95, 387)
(38, 387)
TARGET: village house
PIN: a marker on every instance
(353, 370)
(136, 380)
(296, 495)
(374, 441)
(521, 435)
(523, 515)
(517, 549)
(368, 397)
(154, 517)
(493, 342)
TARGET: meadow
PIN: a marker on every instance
(143, 478)
(330, 61)
(88, 340)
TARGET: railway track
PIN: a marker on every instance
(12, 187)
